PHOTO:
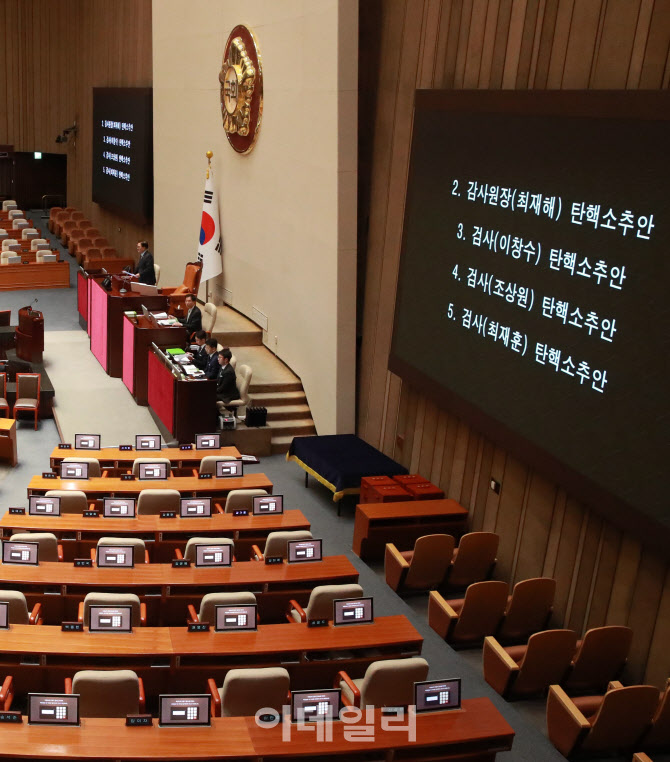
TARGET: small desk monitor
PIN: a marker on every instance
(272, 505)
(433, 695)
(191, 709)
(153, 471)
(53, 709)
(42, 247)
(87, 441)
(213, 555)
(352, 611)
(15, 259)
(225, 468)
(118, 507)
(49, 258)
(73, 470)
(303, 550)
(148, 442)
(207, 441)
(195, 507)
(111, 619)
(231, 618)
(40, 505)
(4, 615)
(115, 556)
(20, 552)
(309, 706)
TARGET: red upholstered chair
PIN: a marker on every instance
(66, 230)
(82, 245)
(76, 216)
(528, 609)
(27, 394)
(191, 284)
(467, 621)
(422, 568)
(4, 405)
(600, 657)
(473, 560)
(75, 236)
(52, 217)
(658, 735)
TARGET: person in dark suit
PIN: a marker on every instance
(192, 322)
(212, 368)
(145, 264)
(226, 386)
(200, 358)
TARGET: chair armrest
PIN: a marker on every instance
(104, 474)
(566, 725)
(92, 506)
(192, 613)
(298, 608)
(143, 614)
(216, 699)
(36, 614)
(640, 757)
(93, 554)
(68, 685)
(614, 685)
(344, 678)
(395, 567)
(441, 617)
(60, 553)
(146, 556)
(7, 693)
(143, 698)
(195, 472)
(80, 611)
(500, 670)
(256, 554)
(178, 554)
(219, 508)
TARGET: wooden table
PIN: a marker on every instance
(166, 591)
(403, 522)
(78, 534)
(34, 275)
(476, 732)
(112, 457)
(8, 440)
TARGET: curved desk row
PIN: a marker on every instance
(113, 457)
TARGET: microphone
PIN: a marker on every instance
(104, 272)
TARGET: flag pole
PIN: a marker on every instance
(209, 155)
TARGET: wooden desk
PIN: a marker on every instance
(8, 440)
(112, 457)
(34, 275)
(402, 523)
(79, 534)
(59, 587)
(474, 733)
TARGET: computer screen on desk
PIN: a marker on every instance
(4, 615)
(53, 709)
(153, 471)
(49, 258)
(235, 618)
(184, 710)
(118, 556)
(111, 619)
(308, 706)
(20, 552)
(207, 441)
(304, 550)
(352, 611)
(15, 259)
(432, 695)
(39, 505)
(226, 468)
(70, 470)
(87, 441)
(195, 507)
(148, 441)
(118, 507)
(268, 504)
(213, 555)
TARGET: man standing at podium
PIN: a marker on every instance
(145, 264)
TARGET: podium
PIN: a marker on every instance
(30, 335)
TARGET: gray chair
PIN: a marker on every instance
(49, 547)
(276, 543)
(320, 605)
(210, 601)
(107, 693)
(140, 553)
(386, 683)
(153, 501)
(139, 610)
(18, 608)
(245, 691)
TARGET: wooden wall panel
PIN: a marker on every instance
(602, 577)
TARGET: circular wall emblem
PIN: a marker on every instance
(241, 80)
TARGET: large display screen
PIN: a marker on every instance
(123, 150)
(532, 294)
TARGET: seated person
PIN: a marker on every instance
(192, 322)
(212, 368)
(201, 357)
(226, 386)
(145, 264)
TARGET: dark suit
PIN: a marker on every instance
(212, 368)
(226, 386)
(193, 321)
(145, 268)
(201, 358)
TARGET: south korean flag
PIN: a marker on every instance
(209, 248)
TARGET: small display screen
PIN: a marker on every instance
(20, 552)
(39, 505)
(153, 471)
(303, 550)
(71, 470)
(87, 441)
(235, 617)
(213, 555)
(207, 441)
(111, 619)
(119, 556)
(118, 507)
(4, 615)
(53, 709)
(437, 694)
(228, 468)
(184, 710)
(315, 705)
(268, 504)
(195, 507)
(352, 611)
(148, 442)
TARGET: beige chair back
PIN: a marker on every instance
(7, 255)
(71, 500)
(138, 461)
(210, 601)
(275, 544)
(8, 203)
(138, 546)
(483, 608)
(36, 242)
(242, 499)
(18, 608)
(15, 214)
(112, 599)
(48, 544)
(209, 314)
(107, 693)
(94, 470)
(474, 558)
(391, 682)
(600, 657)
(189, 551)
(529, 609)
(153, 501)
(20, 224)
(245, 691)
(28, 234)
(157, 273)
(4, 235)
(321, 599)
(430, 561)
(208, 463)
(625, 713)
(546, 661)
(11, 244)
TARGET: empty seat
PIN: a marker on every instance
(530, 669)
(94, 470)
(28, 234)
(210, 601)
(18, 608)
(320, 605)
(138, 610)
(242, 499)
(157, 273)
(8, 202)
(422, 568)
(153, 501)
(600, 657)
(49, 548)
(386, 683)
(528, 609)
(107, 693)
(658, 735)
(245, 691)
(36, 242)
(140, 553)
(467, 621)
(71, 500)
(190, 549)
(11, 244)
(138, 461)
(473, 560)
(209, 315)
(53, 212)
(75, 236)
(27, 394)
(4, 405)
(20, 224)
(276, 543)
